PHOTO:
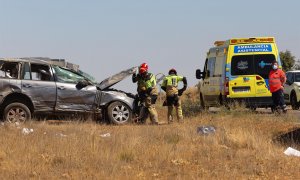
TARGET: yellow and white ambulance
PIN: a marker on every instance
(237, 70)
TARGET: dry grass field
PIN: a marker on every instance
(243, 147)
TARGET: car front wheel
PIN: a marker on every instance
(17, 112)
(119, 113)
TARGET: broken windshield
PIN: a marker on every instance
(87, 76)
(67, 76)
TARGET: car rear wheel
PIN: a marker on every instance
(17, 112)
(119, 113)
(294, 102)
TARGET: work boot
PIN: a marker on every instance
(170, 119)
(284, 110)
(180, 119)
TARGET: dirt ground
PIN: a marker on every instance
(245, 145)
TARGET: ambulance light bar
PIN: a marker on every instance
(252, 40)
(219, 43)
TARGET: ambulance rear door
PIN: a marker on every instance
(242, 80)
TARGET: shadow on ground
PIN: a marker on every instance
(289, 138)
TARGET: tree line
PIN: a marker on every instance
(289, 61)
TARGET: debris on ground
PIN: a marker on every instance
(17, 125)
(61, 135)
(289, 138)
(105, 135)
(179, 162)
(27, 131)
(205, 130)
(292, 152)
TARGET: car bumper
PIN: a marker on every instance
(252, 101)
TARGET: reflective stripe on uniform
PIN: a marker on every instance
(276, 79)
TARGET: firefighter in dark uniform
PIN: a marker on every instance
(170, 86)
(147, 92)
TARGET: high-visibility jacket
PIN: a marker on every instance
(170, 83)
(276, 80)
(146, 84)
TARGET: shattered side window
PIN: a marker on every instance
(40, 72)
(65, 76)
(9, 70)
(26, 72)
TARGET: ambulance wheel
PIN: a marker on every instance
(202, 103)
(273, 109)
(252, 108)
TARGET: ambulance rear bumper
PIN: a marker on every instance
(252, 101)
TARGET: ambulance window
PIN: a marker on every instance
(219, 66)
(205, 64)
(263, 64)
(242, 65)
(211, 66)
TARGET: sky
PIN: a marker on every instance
(105, 37)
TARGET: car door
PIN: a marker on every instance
(209, 87)
(10, 79)
(288, 87)
(39, 85)
(71, 97)
(263, 66)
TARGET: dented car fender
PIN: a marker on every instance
(110, 96)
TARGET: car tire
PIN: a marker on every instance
(202, 103)
(16, 112)
(252, 108)
(119, 113)
(294, 102)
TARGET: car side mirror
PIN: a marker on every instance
(82, 84)
(199, 74)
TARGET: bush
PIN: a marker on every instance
(190, 103)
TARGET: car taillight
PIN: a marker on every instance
(259, 78)
(226, 86)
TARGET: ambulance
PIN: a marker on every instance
(237, 70)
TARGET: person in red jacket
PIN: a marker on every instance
(276, 81)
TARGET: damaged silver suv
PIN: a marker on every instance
(31, 86)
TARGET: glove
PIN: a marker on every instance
(142, 95)
(165, 103)
(134, 78)
(149, 91)
(180, 92)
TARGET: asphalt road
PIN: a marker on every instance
(265, 111)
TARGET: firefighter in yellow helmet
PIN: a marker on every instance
(170, 86)
(147, 93)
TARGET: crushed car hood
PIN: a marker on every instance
(112, 80)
